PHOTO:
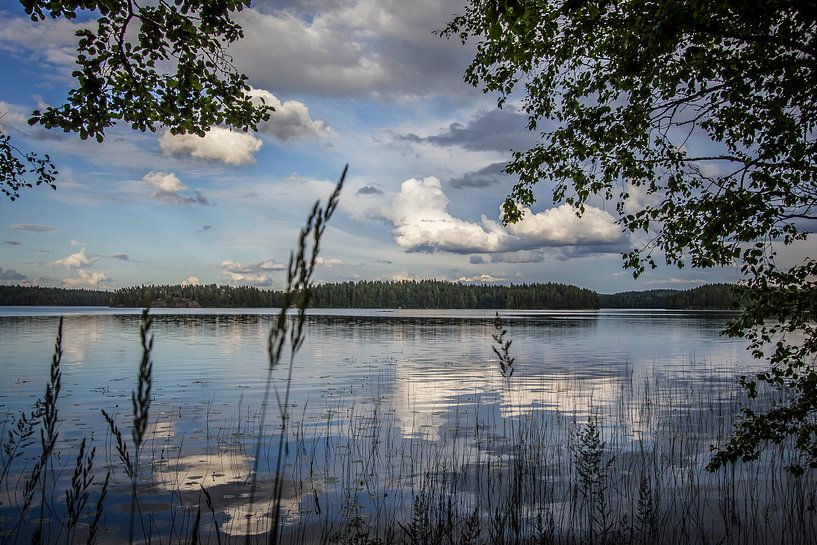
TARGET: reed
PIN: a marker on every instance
(76, 497)
(297, 293)
(93, 529)
(502, 347)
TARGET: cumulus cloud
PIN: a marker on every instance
(34, 228)
(421, 222)
(77, 260)
(560, 226)
(164, 182)
(218, 144)
(191, 280)
(494, 130)
(290, 120)
(168, 188)
(12, 275)
(85, 279)
(256, 274)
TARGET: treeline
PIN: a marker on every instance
(441, 294)
(409, 294)
(208, 295)
(709, 297)
(375, 294)
(36, 296)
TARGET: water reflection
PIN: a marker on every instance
(380, 397)
(422, 363)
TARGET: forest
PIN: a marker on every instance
(38, 296)
(708, 297)
(409, 294)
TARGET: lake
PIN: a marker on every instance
(400, 412)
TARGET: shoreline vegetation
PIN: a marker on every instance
(406, 294)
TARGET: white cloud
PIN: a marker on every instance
(163, 181)
(419, 214)
(560, 226)
(256, 274)
(639, 199)
(290, 120)
(675, 281)
(271, 265)
(191, 280)
(480, 279)
(421, 221)
(218, 144)
(406, 277)
(329, 262)
(85, 279)
(77, 260)
(169, 189)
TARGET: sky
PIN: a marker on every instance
(363, 82)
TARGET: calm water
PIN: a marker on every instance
(420, 362)
(403, 383)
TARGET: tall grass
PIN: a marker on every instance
(297, 294)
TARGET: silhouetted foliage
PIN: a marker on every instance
(410, 294)
(36, 296)
(19, 169)
(709, 297)
(697, 118)
(148, 65)
(374, 294)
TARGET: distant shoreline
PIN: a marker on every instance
(426, 294)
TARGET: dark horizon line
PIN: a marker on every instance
(355, 282)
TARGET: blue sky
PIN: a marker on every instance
(363, 82)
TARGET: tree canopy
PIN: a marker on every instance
(153, 65)
(370, 294)
(697, 119)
